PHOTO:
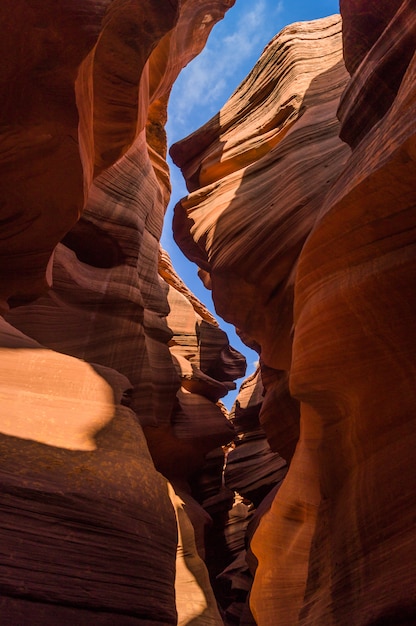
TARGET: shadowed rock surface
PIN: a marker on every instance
(301, 214)
(120, 469)
(88, 525)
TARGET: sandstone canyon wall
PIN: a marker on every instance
(97, 346)
(301, 218)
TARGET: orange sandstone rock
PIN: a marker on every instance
(317, 248)
(356, 279)
(87, 86)
(59, 62)
(82, 506)
(235, 225)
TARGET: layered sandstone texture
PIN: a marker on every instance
(301, 217)
(110, 381)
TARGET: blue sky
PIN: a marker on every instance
(233, 48)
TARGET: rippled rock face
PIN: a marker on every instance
(88, 368)
(302, 200)
(301, 219)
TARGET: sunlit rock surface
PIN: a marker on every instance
(279, 125)
(301, 219)
(301, 216)
(89, 531)
(84, 514)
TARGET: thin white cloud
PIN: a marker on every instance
(210, 78)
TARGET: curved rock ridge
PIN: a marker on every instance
(212, 223)
(254, 472)
(301, 219)
(261, 111)
(236, 490)
(252, 469)
(374, 84)
(246, 230)
(366, 234)
(78, 538)
(80, 89)
(169, 275)
(69, 70)
(315, 241)
(87, 89)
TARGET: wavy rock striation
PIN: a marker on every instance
(88, 525)
(301, 218)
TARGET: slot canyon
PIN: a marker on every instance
(130, 494)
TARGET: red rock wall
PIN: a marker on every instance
(89, 533)
(309, 223)
(301, 218)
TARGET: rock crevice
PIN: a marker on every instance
(121, 470)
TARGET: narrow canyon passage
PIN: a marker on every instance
(132, 491)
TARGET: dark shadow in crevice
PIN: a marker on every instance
(93, 246)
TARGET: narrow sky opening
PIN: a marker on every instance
(202, 88)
